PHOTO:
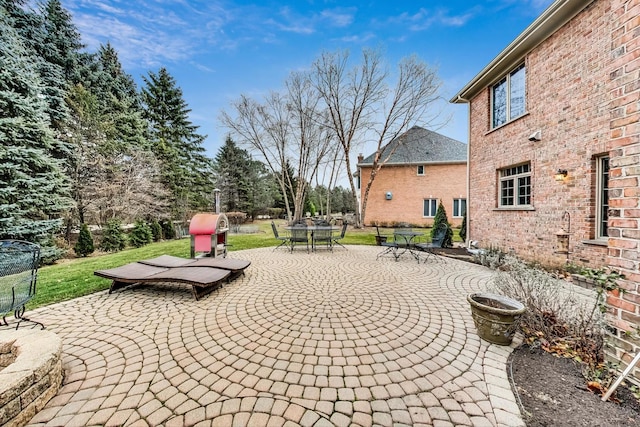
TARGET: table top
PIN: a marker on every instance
(408, 233)
(312, 227)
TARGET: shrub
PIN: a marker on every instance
(168, 231)
(156, 230)
(85, 245)
(441, 218)
(463, 227)
(140, 235)
(113, 238)
(557, 319)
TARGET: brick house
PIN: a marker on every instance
(423, 168)
(564, 97)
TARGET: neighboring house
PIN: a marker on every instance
(563, 97)
(423, 169)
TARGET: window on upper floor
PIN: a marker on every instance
(459, 207)
(602, 197)
(420, 170)
(430, 207)
(515, 186)
(508, 97)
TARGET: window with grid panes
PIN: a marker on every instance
(515, 186)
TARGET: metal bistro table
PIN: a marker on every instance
(295, 235)
(403, 242)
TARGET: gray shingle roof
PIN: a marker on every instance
(419, 145)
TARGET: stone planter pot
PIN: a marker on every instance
(495, 316)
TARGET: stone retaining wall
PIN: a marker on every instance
(30, 373)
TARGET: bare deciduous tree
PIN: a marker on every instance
(286, 129)
(363, 106)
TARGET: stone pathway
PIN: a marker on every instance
(321, 339)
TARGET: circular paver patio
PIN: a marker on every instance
(320, 339)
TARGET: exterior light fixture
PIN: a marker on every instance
(560, 175)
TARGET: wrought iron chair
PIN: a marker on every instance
(436, 242)
(299, 235)
(391, 248)
(19, 261)
(322, 235)
(284, 240)
(343, 231)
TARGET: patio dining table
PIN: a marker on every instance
(311, 229)
(403, 242)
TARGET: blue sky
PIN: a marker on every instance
(219, 49)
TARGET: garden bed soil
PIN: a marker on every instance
(553, 392)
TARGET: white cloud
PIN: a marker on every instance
(424, 19)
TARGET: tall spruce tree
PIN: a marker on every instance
(244, 182)
(185, 168)
(33, 188)
(122, 120)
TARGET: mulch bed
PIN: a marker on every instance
(553, 392)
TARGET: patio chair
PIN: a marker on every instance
(343, 231)
(19, 261)
(299, 235)
(437, 241)
(284, 240)
(202, 279)
(391, 248)
(322, 235)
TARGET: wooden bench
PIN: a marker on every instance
(19, 261)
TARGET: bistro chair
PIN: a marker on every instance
(322, 235)
(299, 235)
(437, 242)
(284, 240)
(336, 239)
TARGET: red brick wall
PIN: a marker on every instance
(444, 182)
(624, 232)
(568, 100)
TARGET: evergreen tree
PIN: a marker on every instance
(85, 245)
(441, 218)
(140, 235)
(122, 120)
(33, 188)
(185, 168)
(62, 41)
(244, 182)
(463, 227)
(113, 237)
(156, 230)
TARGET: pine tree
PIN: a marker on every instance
(463, 227)
(85, 245)
(238, 177)
(122, 120)
(33, 188)
(140, 235)
(441, 218)
(185, 168)
(113, 237)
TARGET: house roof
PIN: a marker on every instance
(554, 17)
(420, 146)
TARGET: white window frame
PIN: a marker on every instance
(510, 94)
(519, 178)
(461, 207)
(602, 196)
(432, 208)
(418, 172)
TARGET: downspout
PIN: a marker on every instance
(460, 99)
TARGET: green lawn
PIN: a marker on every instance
(73, 278)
